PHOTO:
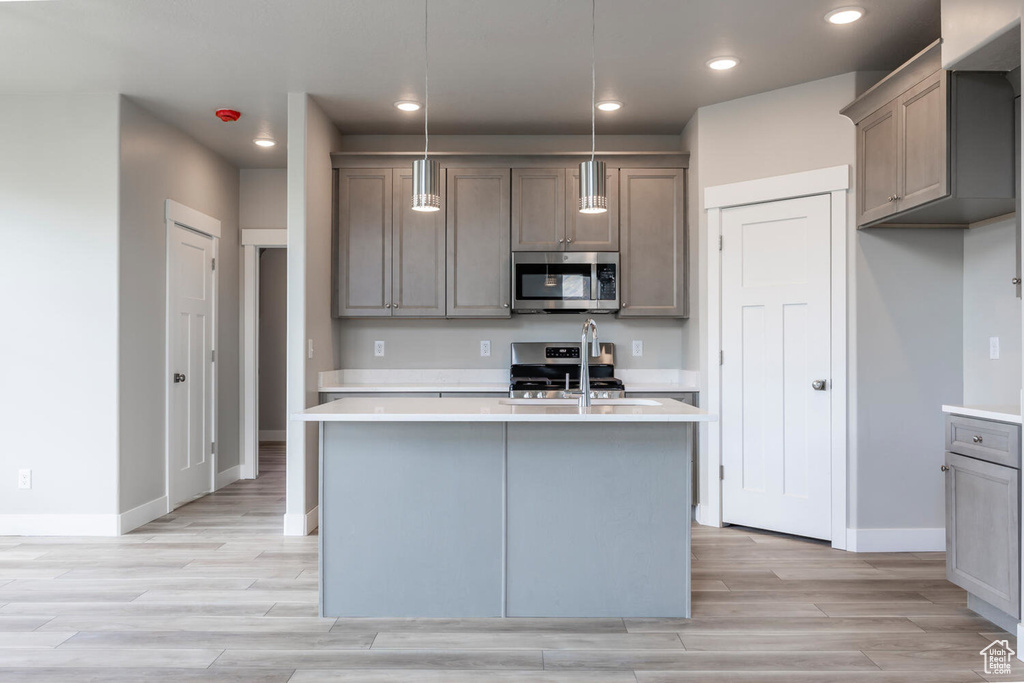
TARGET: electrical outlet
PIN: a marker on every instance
(309, 348)
(993, 348)
(24, 479)
(638, 348)
(485, 349)
(378, 349)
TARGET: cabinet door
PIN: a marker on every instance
(363, 263)
(479, 254)
(418, 262)
(591, 231)
(982, 530)
(538, 209)
(877, 165)
(924, 142)
(653, 245)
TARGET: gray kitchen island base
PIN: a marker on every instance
(519, 519)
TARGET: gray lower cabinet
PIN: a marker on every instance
(390, 259)
(652, 249)
(479, 250)
(982, 516)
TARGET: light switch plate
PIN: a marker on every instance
(993, 348)
(309, 350)
(378, 349)
(24, 479)
(485, 349)
(638, 348)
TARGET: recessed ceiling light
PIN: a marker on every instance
(609, 105)
(265, 142)
(723, 63)
(407, 105)
(844, 15)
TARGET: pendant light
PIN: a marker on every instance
(593, 191)
(426, 172)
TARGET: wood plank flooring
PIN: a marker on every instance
(214, 592)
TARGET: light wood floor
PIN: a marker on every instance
(214, 592)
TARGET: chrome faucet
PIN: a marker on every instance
(589, 328)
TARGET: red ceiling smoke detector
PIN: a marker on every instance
(228, 114)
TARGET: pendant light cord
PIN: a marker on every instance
(593, 76)
(426, 80)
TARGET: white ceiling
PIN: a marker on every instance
(497, 66)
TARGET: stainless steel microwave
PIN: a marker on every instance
(565, 282)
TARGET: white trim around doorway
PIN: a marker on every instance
(834, 181)
(252, 241)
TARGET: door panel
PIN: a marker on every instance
(418, 264)
(538, 209)
(653, 246)
(982, 540)
(363, 266)
(878, 167)
(776, 309)
(924, 140)
(591, 231)
(479, 254)
(190, 412)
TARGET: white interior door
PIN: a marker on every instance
(190, 414)
(776, 430)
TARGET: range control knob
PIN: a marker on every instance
(603, 394)
(526, 394)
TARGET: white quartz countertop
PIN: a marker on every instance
(484, 381)
(393, 409)
(998, 413)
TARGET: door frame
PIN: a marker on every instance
(176, 214)
(834, 181)
(252, 241)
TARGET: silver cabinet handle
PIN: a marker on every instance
(625, 305)
(387, 305)
(569, 241)
(1016, 281)
(504, 305)
(560, 240)
(944, 468)
(818, 385)
(977, 439)
(396, 305)
(178, 378)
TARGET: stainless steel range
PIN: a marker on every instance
(552, 370)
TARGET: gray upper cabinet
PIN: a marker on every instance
(593, 231)
(362, 268)
(653, 243)
(390, 259)
(478, 241)
(418, 262)
(538, 209)
(934, 148)
(877, 173)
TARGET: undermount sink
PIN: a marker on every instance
(574, 402)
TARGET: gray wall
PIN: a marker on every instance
(456, 343)
(263, 198)
(991, 309)
(159, 162)
(58, 275)
(311, 139)
(273, 310)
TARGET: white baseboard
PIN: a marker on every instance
(313, 520)
(273, 435)
(895, 540)
(1020, 634)
(228, 476)
(143, 514)
(60, 525)
(296, 524)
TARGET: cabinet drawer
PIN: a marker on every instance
(996, 442)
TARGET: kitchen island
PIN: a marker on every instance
(486, 507)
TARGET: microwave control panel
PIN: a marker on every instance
(606, 282)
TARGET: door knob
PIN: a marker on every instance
(818, 385)
(944, 468)
(1016, 281)
(178, 378)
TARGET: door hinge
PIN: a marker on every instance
(721, 472)
(213, 264)
(213, 356)
(213, 446)
(721, 357)
(721, 242)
